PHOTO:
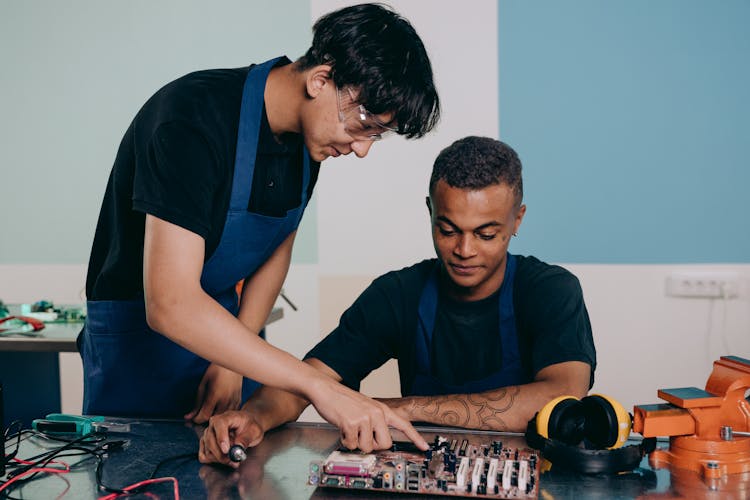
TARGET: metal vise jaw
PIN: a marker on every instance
(705, 427)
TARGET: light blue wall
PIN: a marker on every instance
(74, 74)
(632, 118)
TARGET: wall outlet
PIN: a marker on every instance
(703, 284)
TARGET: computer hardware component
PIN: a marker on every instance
(477, 468)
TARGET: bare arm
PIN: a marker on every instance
(177, 307)
(266, 409)
(273, 407)
(221, 389)
(262, 289)
(504, 409)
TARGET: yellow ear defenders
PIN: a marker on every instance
(599, 419)
(586, 435)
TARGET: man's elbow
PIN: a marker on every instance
(568, 379)
(160, 311)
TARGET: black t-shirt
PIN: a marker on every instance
(176, 162)
(551, 322)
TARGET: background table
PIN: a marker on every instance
(30, 369)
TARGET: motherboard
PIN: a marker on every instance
(450, 467)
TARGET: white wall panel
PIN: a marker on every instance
(371, 212)
(647, 341)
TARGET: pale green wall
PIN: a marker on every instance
(72, 76)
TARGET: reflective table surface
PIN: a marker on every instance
(278, 469)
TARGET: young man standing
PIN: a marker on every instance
(208, 188)
(483, 338)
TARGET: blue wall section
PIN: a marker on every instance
(632, 119)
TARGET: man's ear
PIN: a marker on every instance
(429, 205)
(519, 218)
(317, 78)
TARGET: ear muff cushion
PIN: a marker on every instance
(607, 423)
(603, 411)
(578, 459)
(573, 458)
(561, 419)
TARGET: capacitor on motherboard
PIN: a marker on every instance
(451, 466)
(442, 484)
(497, 447)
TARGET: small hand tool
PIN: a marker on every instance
(237, 453)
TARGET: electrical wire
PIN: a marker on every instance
(723, 330)
(33, 471)
(136, 488)
(193, 456)
(133, 488)
(95, 445)
(26, 470)
(709, 356)
(9, 437)
(44, 458)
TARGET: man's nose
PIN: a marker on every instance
(361, 148)
(464, 246)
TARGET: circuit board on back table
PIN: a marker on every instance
(460, 467)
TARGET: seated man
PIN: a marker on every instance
(483, 338)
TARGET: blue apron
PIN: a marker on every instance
(511, 373)
(131, 370)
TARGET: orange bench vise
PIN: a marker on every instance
(708, 429)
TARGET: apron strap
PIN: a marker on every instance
(428, 303)
(247, 133)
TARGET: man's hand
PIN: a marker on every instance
(363, 421)
(225, 430)
(220, 390)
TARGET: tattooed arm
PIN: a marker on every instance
(505, 409)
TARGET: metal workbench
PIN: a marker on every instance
(278, 469)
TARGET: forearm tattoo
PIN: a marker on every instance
(476, 411)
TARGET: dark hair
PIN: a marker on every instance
(476, 163)
(377, 52)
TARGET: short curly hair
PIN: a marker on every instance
(378, 53)
(476, 163)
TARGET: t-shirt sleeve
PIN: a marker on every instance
(178, 178)
(366, 337)
(559, 323)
